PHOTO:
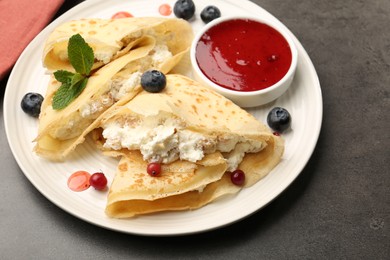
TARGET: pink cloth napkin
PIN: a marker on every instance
(20, 22)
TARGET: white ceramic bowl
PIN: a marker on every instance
(248, 98)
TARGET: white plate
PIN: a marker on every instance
(303, 100)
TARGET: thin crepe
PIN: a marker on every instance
(112, 38)
(132, 182)
(124, 201)
(204, 111)
(60, 131)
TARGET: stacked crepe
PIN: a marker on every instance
(197, 135)
(112, 38)
(123, 49)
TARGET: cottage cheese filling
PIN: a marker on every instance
(168, 140)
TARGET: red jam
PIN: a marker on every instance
(243, 55)
(79, 181)
(165, 9)
(122, 14)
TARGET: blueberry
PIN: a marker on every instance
(210, 13)
(31, 104)
(184, 9)
(153, 81)
(279, 119)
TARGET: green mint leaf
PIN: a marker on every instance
(79, 87)
(63, 76)
(80, 55)
(76, 78)
(67, 93)
(62, 98)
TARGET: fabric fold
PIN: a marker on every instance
(20, 22)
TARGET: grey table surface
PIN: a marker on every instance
(338, 207)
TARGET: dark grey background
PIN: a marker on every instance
(338, 208)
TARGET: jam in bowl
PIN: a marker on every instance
(248, 60)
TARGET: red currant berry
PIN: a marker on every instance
(154, 169)
(237, 177)
(98, 181)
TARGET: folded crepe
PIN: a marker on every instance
(112, 38)
(134, 192)
(60, 131)
(189, 124)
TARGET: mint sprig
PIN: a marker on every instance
(69, 91)
(81, 57)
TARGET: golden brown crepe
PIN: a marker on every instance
(155, 47)
(124, 201)
(112, 38)
(176, 178)
(184, 123)
(196, 134)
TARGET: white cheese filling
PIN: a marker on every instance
(120, 87)
(104, 53)
(167, 140)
